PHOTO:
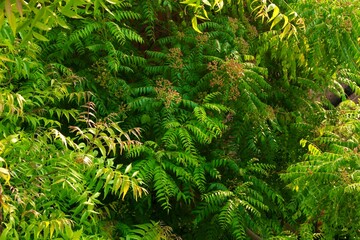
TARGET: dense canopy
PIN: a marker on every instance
(167, 119)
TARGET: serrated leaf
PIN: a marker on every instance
(99, 144)
(69, 13)
(62, 23)
(128, 168)
(40, 37)
(42, 26)
(76, 235)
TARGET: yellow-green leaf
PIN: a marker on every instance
(219, 4)
(200, 17)
(205, 14)
(294, 14)
(77, 234)
(5, 59)
(112, 2)
(109, 177)
(2, 17)
(106, 8)
(52, 229)
(117, 184)
(62, 23)
(194, 24)
(99, 144)
(303, 142)
(286, 21)
(42, 26)
(285, 31)
(40, 37)
(128, 168)
(275, 13)
(10, 16)
(19, 7)
(270, 7)
(276, 20)
(5, 174)
(125, 188)
(189, 2)
(69, 13)
(206, 2)
(135, 173)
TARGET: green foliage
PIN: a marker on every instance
(239, 207)
(327, 182)
(150, 231)
(47, 181)
(165, 119)
(175, 160)
(262, 10)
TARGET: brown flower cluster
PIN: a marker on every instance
(346, 24)
(103, 73)
(201, 39)
(180, 35)
(252, 32)
(226, 76)
(218, 78)
(165, 92)
(234, 69)
(175, 58)
(106, 79)
(233, 22)
(243, 45)
(213, 66)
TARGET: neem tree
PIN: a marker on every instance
(168, 119)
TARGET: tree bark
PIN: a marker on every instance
(252, 235)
